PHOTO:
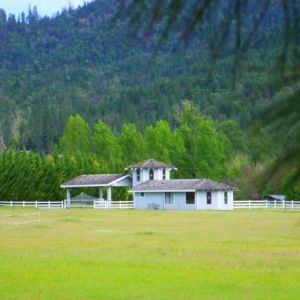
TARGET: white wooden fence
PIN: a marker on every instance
(114, 204)
(271, 204)
(35, 204)
(238, 204)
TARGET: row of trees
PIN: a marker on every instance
(195, 146)
(198, 146)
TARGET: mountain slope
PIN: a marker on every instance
(78, 62)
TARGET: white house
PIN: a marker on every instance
(152, 188)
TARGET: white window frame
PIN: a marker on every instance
(169, 198)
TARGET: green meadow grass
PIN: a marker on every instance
(98, 254)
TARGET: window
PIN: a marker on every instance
(225, 197)
(169, 198)
(190, 198)
(164, 173)
(208, 198)
(142, 195)
(151, 174)
(138, 174)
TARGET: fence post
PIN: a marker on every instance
(11, 203)
(36, 204)
(48, 204)
(249, 203)
(275, 203)
(292, 204)
(267, 204)
(23, 203)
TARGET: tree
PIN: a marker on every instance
(158, 139)
(204, 155)
(106, 147)
(76, 137)
(132, 144)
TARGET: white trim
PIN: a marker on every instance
(82, 185)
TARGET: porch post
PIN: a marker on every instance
(69, 196)
(109, 196)
(100, 194)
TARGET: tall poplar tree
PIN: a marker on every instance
(132, 143)
(76, 137)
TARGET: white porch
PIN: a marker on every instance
(101, 182)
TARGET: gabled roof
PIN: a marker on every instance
(94, 180)
(181, 185)
(151, 163)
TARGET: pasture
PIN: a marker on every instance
(112, 254)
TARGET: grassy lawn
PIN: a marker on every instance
(96, 254)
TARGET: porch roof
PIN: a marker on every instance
(94, 180)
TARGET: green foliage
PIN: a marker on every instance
(76, 62)
(25, 175)
(195, 147)
(204, 155)
(76, 137)
(106, 147)
(133, 145)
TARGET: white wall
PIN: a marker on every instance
(217, 200)
(149, 200)
(158, 199)
(144, 175)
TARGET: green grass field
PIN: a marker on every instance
(96, 254)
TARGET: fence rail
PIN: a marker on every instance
(271, 204)
(114, 204)
(238, 204)
(35, 204)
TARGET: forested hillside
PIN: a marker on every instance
(82, 61)
(79, 62)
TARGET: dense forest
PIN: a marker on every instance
(135, 100)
